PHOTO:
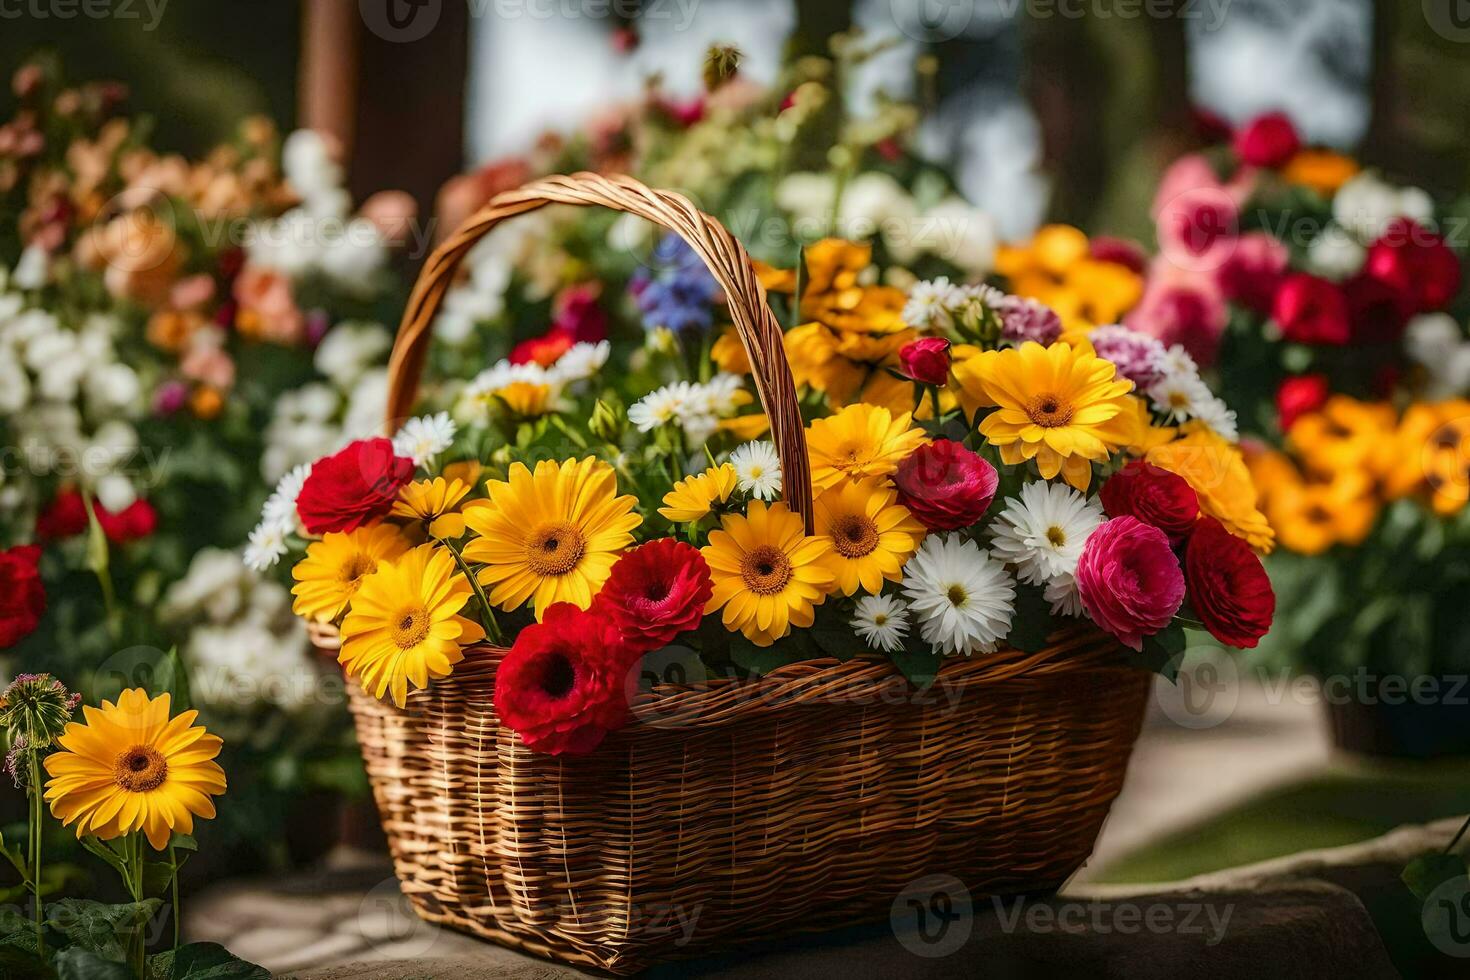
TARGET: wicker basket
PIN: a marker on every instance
(734, 812)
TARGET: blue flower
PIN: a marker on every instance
(677, 292)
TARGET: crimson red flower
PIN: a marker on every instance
(925, 360)
(1252, 271)
(1228, 588)
(545, 349)
(1377, 311)
(1153, 495)
(1416, 263)
(1119, 251)
(575, 311)
(656, 591)
(1298, 396)
(22, 594)
(1268, 140)
(1129, 580)
(561, 686)
(352, 488)
(64, 517)
(137, 520)
(1311, 310)
(945, 485)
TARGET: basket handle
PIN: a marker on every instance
(725, 258)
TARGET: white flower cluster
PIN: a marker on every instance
(1436, 343)
(695, 407)
(1182, 394)
(319, 235)
(243, 646)
(1362, 210)
(938, 304)
(487, 269)
(1041, 533)
(278, 521)
(67, 401)
(580, 362)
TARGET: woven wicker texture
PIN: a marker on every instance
(735, 812)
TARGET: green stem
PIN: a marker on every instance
(133, 867)
(1458, 834)
(38, 813)
(173, 860)
(492, 628)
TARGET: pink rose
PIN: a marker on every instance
(1181, 307)
(1197, 214)
(1129, 579)
(1253, 270)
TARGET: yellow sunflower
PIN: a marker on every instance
(404, 626)
(1217, 472)
(693, 497)
(434, 505)
(1311, 516)
(872, 534)
(329, 576)
(768, 574)
(552, 535)
(131, 767)
(1344, 434)
(859, 441)
(1061, 406)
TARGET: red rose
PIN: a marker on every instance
(1253, 270)
(1416, 263)
(1311, 310)
(64, 517)
(1298, 396)
(655, 592)
(1119, 251)
(1267, 141)
(1153, 495)
(1377, 311)
(561, 685)
(22, 595)
(945, 485)
(345, 491)
(1228, 587)
(925, 360)
(137, 520)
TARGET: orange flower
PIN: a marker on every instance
(1322, 170)
(1056, 267)
(1344, 434)
(831, 292)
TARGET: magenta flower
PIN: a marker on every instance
(1129, 579)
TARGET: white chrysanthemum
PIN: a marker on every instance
(349, 349)
(1041, 531)
(1435, 342)
(1367, 204)
(962, 598)
(280, 507)
(882, 621)
(1218, 418)
(757, 469)
(931, 304)
(1180, 396)
(581, 361)
(720, 396)
(425, 437)
(661, 407)
(1335, 253)
(267, 546)
(1064, 596)
(1176, 360)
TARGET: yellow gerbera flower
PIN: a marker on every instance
(1217, 472)
(694, 497)
(768, 574)
(132, 767)
(433, 503)
(872, 534)
(832, 291)
(1344, 434)
(1061, 406)
(404, 626)
(552, 535)
(859, 441)
(526, 399)
(1310, 517)
(329, 576)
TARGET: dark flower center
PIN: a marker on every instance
(410, 627)
(140, 769)
(854, 536)
(558, 676)
(765, 570)
(1049, 411)
(554, 549)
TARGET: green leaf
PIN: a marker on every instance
(202, 961)
(105, 852)
(76, 963)
(918, 661)
(759, 660)
(1428, 871)
(1031, 625)
(833, 635)
(1164, 651)
(173, 679)
(97, 553)
(99, 928)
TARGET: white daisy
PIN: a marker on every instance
(1042, 531)
(660, 407)
(882, 620)
(931, 304)
(1064, 596)
(581, 361)
(720, 396)
(1176, 360)
(425, 437)
(1180, 396)
(280, 507)
(1218, 417)
(963, 598)
(266, 546)
(477, 397)
(757, 469)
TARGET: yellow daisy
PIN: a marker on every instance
(694, 497)
(526, 399)
(433, 503)
(552, 535)
(1217, 472)
(1063, 407)
(131, 767)
(872, 534)
(329, 576)
(404, 626)
(768, 574)
(860, 441)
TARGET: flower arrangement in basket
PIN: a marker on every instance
(1332, 313)
(513, 575)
